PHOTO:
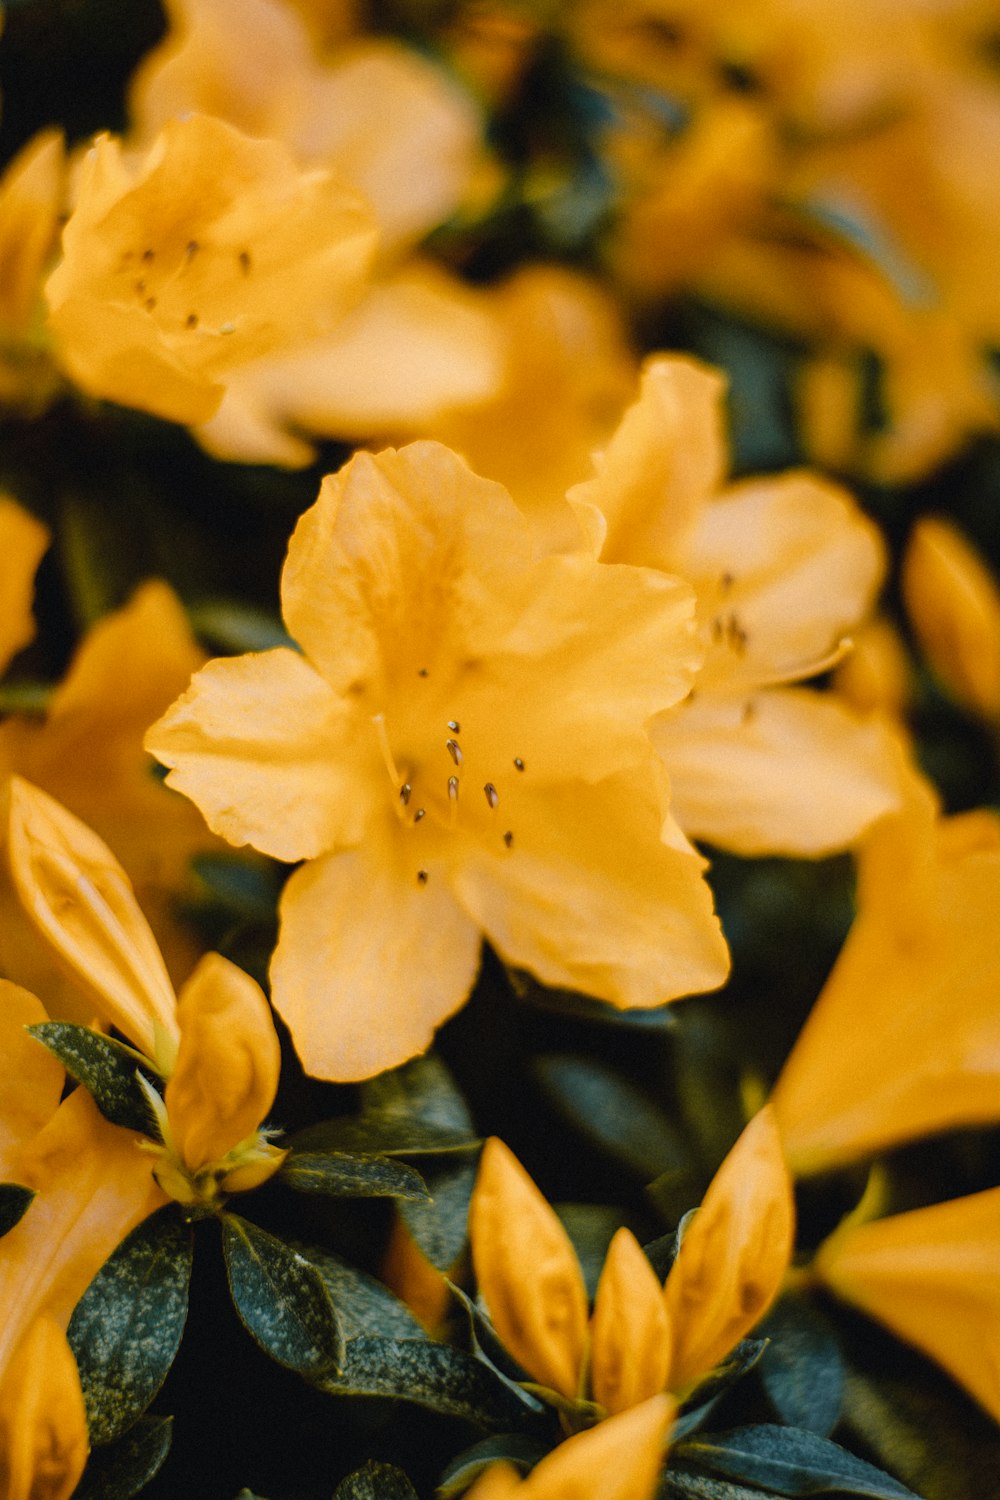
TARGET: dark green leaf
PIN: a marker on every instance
(790, 1462)
(613, 1113)
(362, 1304)
(345, 1176)
(739, 1362)
(231, 626)
(591, 1228)
(15, 1201)
(421, 1090)
(681, 1483)
(121, 1471)
(435, 1376)
(802, 1369)
(281, 1299)
(126, 1328)
(106, 1069)
(511, 1447)
(370, 1134)
(375, 1482)
(440, 1224)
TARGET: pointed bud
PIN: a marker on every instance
(630, 1329)
(954, 604)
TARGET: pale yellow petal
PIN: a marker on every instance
(228, 1060)
(630, 1330)
(665, 459)
(81, 901)
(734, 1255)
(785, 771)
(32, 1079)
(23, 542)
(619, 1459)
(933, 1277)
(43, 1422)
(528, 1273)
(31, 194)
(370, 959)
(954, 604)
(589, 897)
(260, 743)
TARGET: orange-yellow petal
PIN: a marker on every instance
(228, 1060)
(370, 960)
(43, 1422)
(933, 1277)
(24, 540)
(953, 601)
(32, 1078)
(528, 1273)
(629, 1330)
(259, 743)
(80, 900)
(734, 1256)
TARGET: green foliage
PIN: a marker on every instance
(376, 1482)
(107, 1069)
(127, 1326)
(511, 1447)
(789, 1461)
(15, 1201)
(281, 1299)
(126, 1467)
(802, 1369)
(341, 1175)
(363, 1305)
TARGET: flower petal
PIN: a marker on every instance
(258, 742)
(619, 1459)
(32, 1077)
(369, 961)
(781, 772)
(528, 1273)
(24, 541)
(630, 1329)
(43, 1421)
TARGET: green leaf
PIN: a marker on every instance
(232, 627)
(440, 1225)
(362, 1304)
(281, 1299)
(739, 1362)
(510, 1447)
(121, 1471)
(681, 1483)
(444, 1380)
(127, 1326)
(790, 1462)
(15, 1201)
(421, 1090)
(802, 1369)
(107, 1069)
(591, 1228)
(341, 1175)
(610, 1111)
(375, 1482)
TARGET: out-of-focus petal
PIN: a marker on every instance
(954, 604)
(32, 1078)
(630, 1331)
(24, 540)
(44, 1440)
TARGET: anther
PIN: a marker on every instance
(422, 877)
(453, 788)
(454, 726)
(404, 793)
(518, 763)
(420, 813)
(492, 795)
(454, 749)
(508, 838)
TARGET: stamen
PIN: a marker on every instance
(518, 763)
(454, 749)
(454, 726)
(420, 813)
(383, 743)
(453, 788)
(404, 793)
(805, 669)
(492, 796)
(452, 801)
(508, 838)
(422, 877)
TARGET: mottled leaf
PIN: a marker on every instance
(681, 1483)
(127, 1326)
(281, 1299)
(375, 1482)
(802, 1369)
(341, 1175)
(121, 1471)
(699, 1405)
(439, 1225)
(790, 1462)
(107, 1069)
(15, 1201)
(511, 1447)
(610, 1111)
(362, 1304)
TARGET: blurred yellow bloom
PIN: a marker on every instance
(642, 1338)
(953, 602)
(782, 568)
(461, 750)
(619, 1460)
(43, 1422)
(24, 541)
(31, 199)
(933, 1277)
(213, 250)
(877, 674)
(905, 1036)
(215, 1044)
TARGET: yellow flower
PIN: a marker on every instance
(619, 1460)
(213, 250)
(43, 1421)
(642, 1338)
(215, 1044)
(24, 541)
(31, 199)
(905, 1036)
(933, 1277)
(782, 568)
(954, 606)
(461, 750)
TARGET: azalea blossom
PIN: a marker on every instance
(460, 750)
(212, 250)
(43, 1421)
(641, 1338)
(214, 1044)
(905, 1036)
(953, 602)
(32, 191)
